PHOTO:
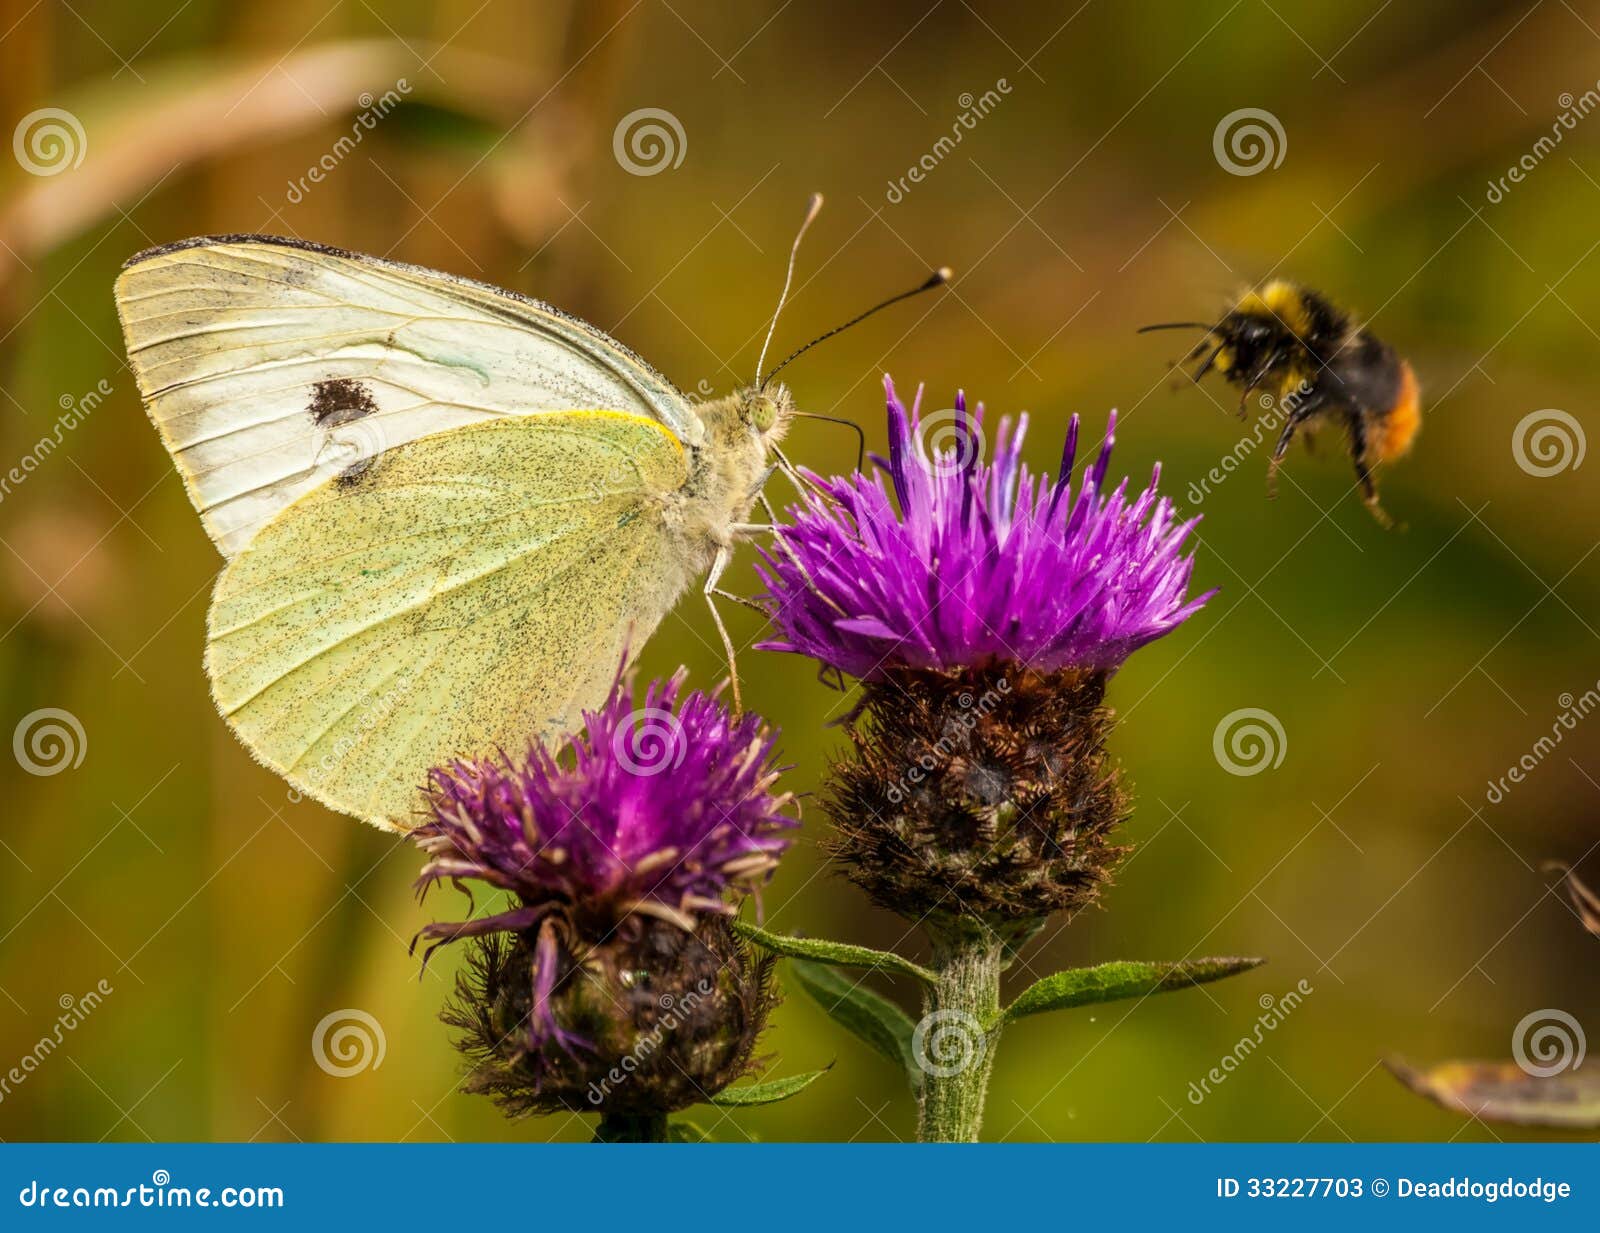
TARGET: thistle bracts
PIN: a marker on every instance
(985, 793)
(656, 1018)
(609, 980)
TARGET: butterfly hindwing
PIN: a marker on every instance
(471, 590)
(271, 366)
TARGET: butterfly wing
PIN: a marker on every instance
(270, 366)
(471, 591)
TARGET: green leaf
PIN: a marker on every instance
(686, 1132)
(1504, 1092)
(860, 1011)
(834, 954)
(769, 1093)
(1111, 982)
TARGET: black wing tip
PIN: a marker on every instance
(242, 237)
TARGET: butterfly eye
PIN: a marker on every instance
(763, 413)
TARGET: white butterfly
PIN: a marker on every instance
(446, 509)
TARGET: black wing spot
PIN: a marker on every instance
(355, 473)
(339, 400)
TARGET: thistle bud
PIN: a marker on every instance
(983, 609)
(612, 982)
(982, 792)
(654, 1018)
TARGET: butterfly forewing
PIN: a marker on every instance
(271, 366)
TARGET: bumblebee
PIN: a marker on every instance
(1319, 365)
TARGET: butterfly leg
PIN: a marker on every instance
(802, 483)
(711, 591)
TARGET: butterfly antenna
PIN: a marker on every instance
(813, 208)
(938, 278)
(861, 436)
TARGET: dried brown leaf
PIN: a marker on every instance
(1504, 1092)
(1584, 901)
(191, 110)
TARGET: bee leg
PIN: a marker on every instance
(1369, 494)
(1258, 374)
(1368, 485)
(1364, 477)
(1209, 361)
(1277, 460)
(714, 576)
(1301, 413)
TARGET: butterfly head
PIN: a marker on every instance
(766, 410)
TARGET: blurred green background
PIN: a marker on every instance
(1407, 669)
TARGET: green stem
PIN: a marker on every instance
(631, 1128)
(955, 1045)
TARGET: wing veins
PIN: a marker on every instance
(514, 558)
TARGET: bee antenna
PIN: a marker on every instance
(1176, 325)
(938, 278)
(813, 208)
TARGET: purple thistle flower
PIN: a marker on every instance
(982, 563)
(665, 810)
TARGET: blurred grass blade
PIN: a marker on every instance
(767, 1093)
(1584, 901)
(1504, 1092)
(834, 954)
(196, 108)
(1112, 982)
(861, 1012)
